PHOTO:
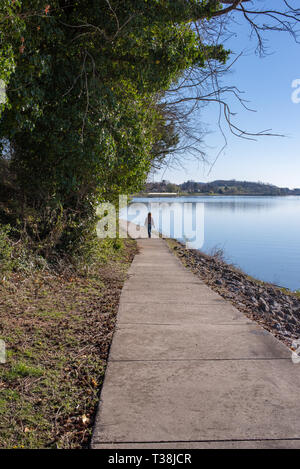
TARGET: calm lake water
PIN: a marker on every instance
(261, 235)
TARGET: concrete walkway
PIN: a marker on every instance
(188, 370)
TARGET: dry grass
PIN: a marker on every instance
(57, 329)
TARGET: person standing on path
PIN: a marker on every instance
(149, 221)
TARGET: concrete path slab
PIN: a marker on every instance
(199, 400)
(216, 313)
(163, 291)
(187, 370)
(174, 296)
(244, 444)
(201, 342)
(180, 286)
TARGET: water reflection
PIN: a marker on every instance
(233, 203)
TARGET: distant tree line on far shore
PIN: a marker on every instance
(219, 187)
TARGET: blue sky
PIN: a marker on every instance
(267, 85)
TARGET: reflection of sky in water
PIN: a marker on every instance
(259, 234)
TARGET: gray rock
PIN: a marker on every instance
(263, 305)
(254, 300)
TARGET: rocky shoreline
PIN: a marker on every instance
(273, 308)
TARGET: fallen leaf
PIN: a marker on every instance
(27, 429)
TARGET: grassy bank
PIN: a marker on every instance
(57, 328)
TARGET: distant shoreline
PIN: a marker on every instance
(220, 187)
(183, 194)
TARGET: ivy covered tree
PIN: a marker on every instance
(11, 27)
(82, 116)
(83, 119)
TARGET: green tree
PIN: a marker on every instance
(83, 120)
